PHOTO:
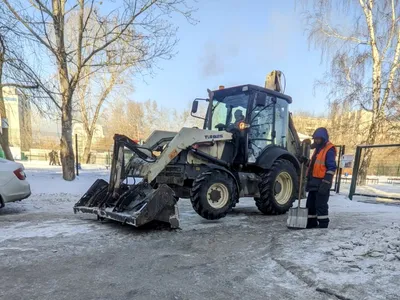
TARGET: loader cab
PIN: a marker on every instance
(258, 117)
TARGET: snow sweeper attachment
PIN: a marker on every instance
(135, 203)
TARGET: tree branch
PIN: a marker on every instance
(82, 94)
(102, 98)
(21, 86)
(30, 29)
(124, 28)
(370, 23)
(330, 32)
(45, 28)
(41, 7)
(392, 29)
(393, 69)
(80, 35)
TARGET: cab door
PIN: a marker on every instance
(261, 121)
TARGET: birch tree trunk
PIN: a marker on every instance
(88, 147)
(376, 91)
(364, 58)
(367, 155)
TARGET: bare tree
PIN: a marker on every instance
(46, 21)
(92, 101)
(126, 117)
(113, 70)
(184, 119)
(361, 39)
(138, 120)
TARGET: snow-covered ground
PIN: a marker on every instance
(47, 252)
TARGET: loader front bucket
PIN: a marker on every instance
(136, 204)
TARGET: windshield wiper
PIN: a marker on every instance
(215, 106)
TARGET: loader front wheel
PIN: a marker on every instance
(278, 188)
(213, 194)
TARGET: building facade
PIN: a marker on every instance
(18, 111)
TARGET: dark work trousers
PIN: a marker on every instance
(317, 205)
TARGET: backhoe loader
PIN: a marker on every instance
(248, 147)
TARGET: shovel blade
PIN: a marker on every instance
(297, 217)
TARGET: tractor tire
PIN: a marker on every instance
(213, 194)
(278, 188)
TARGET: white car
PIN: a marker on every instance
(13, 183)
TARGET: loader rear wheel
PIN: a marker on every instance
(278, 188)
(213, 194)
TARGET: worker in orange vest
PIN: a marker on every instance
(320, 174)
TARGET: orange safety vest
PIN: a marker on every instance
(319, 169)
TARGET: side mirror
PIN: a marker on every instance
(195, 106)
(261, 99)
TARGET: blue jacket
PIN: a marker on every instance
(330, 162)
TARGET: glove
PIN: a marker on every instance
(304, 160)
(326, 185)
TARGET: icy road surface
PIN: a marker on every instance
(47, 252)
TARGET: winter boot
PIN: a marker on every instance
(323, 223)
(312, 223)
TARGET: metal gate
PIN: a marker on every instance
(356, 166)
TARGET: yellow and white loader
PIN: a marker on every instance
(248, 147)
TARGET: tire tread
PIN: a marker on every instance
(266, 203)
(196, 195)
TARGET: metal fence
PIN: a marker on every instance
(96, 158)
(382, 178)
(26, 156)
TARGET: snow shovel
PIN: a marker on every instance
(298, 216)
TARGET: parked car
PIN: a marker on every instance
(13, 183)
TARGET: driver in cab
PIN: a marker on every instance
(238, 117)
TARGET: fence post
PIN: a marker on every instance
(354, 175)
(77, 157)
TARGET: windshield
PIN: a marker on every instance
(229, 110)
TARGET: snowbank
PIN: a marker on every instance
(369, 246)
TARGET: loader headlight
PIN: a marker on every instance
(243, 125)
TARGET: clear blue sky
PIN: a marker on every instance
(238, 42)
